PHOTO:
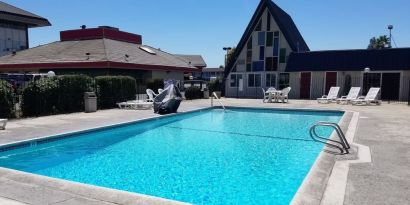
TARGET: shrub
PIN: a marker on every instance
(60, 94)
(193, 92)
(40, 97)
(155, 84)
(215, 86)
(71, 90)
(114, 89)
(6, 100)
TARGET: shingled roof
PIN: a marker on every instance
(14, 14)
(283, 20)
(350, 60)
(94, 53)
(195, 60)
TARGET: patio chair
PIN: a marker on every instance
(370, 98)
(160, 90)
(352, 95)
(331, 96)
(3, 123)
(265, 95)
(284, 94)
(135, 105)
(151, 95)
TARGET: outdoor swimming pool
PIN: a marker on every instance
(243, 156)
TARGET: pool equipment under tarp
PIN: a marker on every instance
(168, 100)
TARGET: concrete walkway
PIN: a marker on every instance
(385, 129)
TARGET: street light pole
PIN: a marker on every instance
(390, 27)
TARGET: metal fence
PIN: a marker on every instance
(394, 91)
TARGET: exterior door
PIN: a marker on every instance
(331, 80)
(390, 89)
(305, 85)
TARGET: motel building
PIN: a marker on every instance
(273, 53)
(99, 51)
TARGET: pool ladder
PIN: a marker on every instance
(341, 145)
(219, 100)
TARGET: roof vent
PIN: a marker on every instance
(148, 50)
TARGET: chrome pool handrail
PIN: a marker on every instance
(342, 145)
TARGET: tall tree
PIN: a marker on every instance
(379, 43)
(229, 56)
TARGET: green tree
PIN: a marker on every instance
(379, 43)
(230, 56)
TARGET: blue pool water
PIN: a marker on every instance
(243, 156)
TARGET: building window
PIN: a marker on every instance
(275, 63)
(261, 38)
(276, 43)
(259, 26)
(283, 80)
(249, 45)
(270, 80)
(269, 39)
(268, 21)
(262, 53)
(257, 66)
(254, 80)
(282, 55)
(235, 80)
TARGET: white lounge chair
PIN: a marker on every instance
(284, 94)
(3, 123)
(151, 95)
(352, 95)
(265, 95)
(135, 105)
(160, 90)
(331, 96)
(370, 98)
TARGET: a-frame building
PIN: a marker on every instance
(261, 55)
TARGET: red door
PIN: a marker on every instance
(331, 79)
(305, 85)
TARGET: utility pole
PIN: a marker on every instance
(390, 27)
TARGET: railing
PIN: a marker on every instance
(219, 100)
(342, 145)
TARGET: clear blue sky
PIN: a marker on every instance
(205, 26)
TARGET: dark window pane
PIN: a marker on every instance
(249, 56)
(275, 46)
(257, 80)
(249, 67)
(251, 80)
(269, 39)
(262, 53)
(282, 55)
(276, 33)
(259, 26)
(249, 45)
(233, 80)
(261, 38)
(268, 22)
(257, 65)
(275, 63)
(283, 80)
(269, 64)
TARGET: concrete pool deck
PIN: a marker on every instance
(385, 129)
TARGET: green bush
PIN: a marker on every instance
(155, 84)
(114, 89)
(6, 100)
(193, 92)
(40, 97)
(214, 86)
(60, 94)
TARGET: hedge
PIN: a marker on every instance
(155, 84)
(6, 100)
(60, 94)
(114, 89)
(193, 92)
